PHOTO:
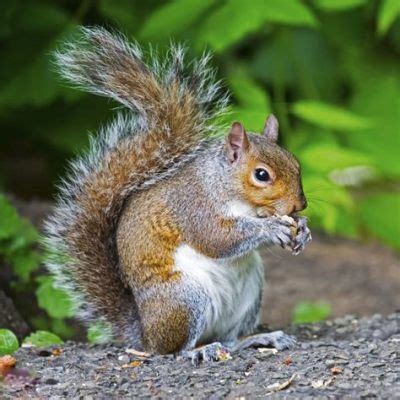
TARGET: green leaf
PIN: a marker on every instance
(326, 202)
(326, 157)
(329, 116)
(42, 339)
(247, 92)
(8, 342)
(24, 263)
(338, 5)
(172, 18)
(9, 219)
(378, 97)
(99, 332)
(56, 302)
(252, 119)
(388, 12)
(232, 21)
(307, 312)
(380, 214)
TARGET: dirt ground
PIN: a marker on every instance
(354, 278)
(348, 358)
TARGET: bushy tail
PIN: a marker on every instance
(171, 112)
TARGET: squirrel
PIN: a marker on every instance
(156, 228)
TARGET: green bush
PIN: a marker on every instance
(327, 68)
(19, 248)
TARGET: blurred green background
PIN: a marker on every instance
(329, 69)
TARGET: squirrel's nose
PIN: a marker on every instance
(300, 204)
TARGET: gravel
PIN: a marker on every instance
(344, 358)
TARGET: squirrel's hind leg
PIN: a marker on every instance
(171, 317)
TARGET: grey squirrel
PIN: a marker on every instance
(156, 227)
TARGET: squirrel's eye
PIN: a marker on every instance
(261, 175)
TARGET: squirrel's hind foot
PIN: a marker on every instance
(277, 339)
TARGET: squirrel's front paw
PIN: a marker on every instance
(282, 230)
(302, 237)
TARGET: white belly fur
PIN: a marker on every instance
(233, 288)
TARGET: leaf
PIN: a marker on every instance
(380, 214)
(338, 5)
(24, 263)
(378, 96)
(54, 301)
(8, 342)
(99, 332)
(42, 339)
(254, 104)
(329, 116)
(9, 219)
(232, 21)
(247, 92)
(326, 157)
(307, 312)
(326, 204)
(172, 18)
(389, 11)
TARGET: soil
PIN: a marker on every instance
(353, 277)
(344, 358)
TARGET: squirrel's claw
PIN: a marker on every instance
(303, 236)
(209, 352)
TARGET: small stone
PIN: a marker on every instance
(51, 381)
(123, 359)
(330, 363)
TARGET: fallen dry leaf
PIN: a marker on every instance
(276, 387)
(287, 361)
(6, 364)
(336, 370)
(223, 355)
(57, 352)
(137, 353)
(132, 364)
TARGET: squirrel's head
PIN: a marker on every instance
(266, 176)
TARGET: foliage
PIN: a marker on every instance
(8, 342)
(327, 68)
(42, 339)
(19, 248)
(308, 312)
(99, 332)
(17, 237)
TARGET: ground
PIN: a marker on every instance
(345, 358)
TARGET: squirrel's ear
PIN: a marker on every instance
(271, 128)
(237, 141)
